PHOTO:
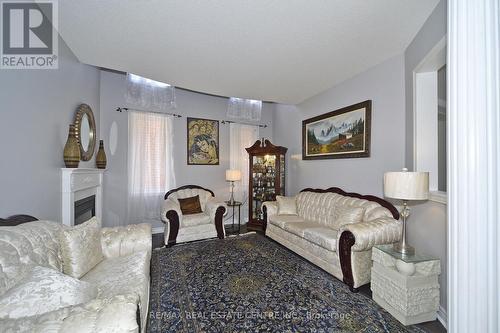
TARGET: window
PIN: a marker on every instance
(150, 164)
(441, 77)
(241, 137)
(430, 120)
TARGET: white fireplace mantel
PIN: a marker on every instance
(78, 184)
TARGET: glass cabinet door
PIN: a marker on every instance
(281, 189)
(264, 178)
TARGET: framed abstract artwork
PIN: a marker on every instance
(343, 133)
(202, 141)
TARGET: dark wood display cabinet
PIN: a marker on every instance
(266, 179)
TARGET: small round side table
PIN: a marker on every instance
(234, 205)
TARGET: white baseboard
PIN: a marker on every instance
(442, 317)
(158, 230)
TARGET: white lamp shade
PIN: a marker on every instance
(406, 185)
(233, 175)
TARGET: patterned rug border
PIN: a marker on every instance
(248, 233)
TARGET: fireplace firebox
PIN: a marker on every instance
(84, 209)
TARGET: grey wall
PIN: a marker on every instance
(427, 227)
(36, 108)
(433, 30)
(189, 104)
(384, 85)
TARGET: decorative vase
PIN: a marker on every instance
(72, 149)
(100, 160)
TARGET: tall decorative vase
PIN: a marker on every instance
(100, 160)
(72, 149)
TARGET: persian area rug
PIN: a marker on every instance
(252, 284)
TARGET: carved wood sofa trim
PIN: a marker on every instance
(16, 220)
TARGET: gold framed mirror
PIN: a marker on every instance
(85, 131)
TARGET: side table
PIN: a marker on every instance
(405, 285)
(234, 205)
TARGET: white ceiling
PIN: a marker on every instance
(276, 50)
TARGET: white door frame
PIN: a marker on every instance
(473, 166)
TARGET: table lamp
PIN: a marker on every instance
(232, 176)
(405, 185)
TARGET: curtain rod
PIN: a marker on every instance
(121, 109)
(242, 123)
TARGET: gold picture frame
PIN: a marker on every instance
(202, 141)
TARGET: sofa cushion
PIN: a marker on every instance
(191, 192)
(281, 220)
(286, 205)
(320, 207)
(322, 236)
(121, 276)
(194, 220)
(190, 205)
(117, 314)
(81, 247)
(298, 228)
(27, 245)
(347, 215)
(43, 290)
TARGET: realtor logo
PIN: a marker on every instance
(29, 35)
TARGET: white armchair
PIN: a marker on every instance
(181, 228)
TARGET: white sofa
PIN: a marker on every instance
(181, 228)
(122, 278)
(318, 233)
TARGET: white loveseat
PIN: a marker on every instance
(318, 233)
(122, 278)
(181, 228)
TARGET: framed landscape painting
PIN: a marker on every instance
(202, 141)
(343, 133)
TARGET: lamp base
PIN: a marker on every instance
(231, 199)
(403, 248)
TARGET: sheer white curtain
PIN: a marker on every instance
(150, 165)
(149, 94)
(244, 109)
(241, 137)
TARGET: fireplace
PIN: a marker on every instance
(81, 195)
(84, 209)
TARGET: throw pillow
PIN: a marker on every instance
(346, 215)
(190, 205)
(81, 247)
(286, 205)
(44, 290)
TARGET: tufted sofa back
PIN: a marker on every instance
(191, 192)
(29, 244)
(320, 207)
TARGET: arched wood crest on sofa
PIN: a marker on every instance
(16, 220)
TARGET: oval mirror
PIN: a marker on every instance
(85, 131)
